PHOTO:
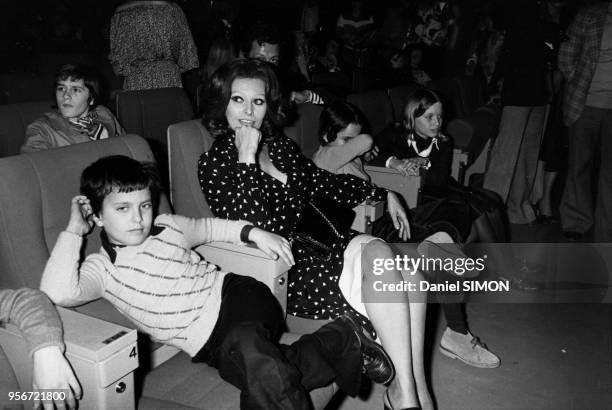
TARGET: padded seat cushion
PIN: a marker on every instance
(149, 112)
(305, 131)
(14, 119)
(376, 107)
(41, 185)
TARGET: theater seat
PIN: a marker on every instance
(148, 113)
(472, 138)
(35, 193)
(305, 131)
(399, 97)
(14, 119)
(376, 107)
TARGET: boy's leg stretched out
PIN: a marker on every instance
(244, 347)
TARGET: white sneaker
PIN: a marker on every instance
(468, 349)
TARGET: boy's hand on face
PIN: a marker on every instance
(82, 218)
(273, 245)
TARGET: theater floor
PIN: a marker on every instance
(553, 355)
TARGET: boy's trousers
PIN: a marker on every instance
(244, 347)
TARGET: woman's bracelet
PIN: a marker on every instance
(244, 233)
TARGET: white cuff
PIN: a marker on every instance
(389, 160)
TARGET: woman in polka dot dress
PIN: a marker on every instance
(254, 172)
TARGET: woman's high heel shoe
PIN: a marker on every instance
(387, 399)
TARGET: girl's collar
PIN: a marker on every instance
(425, 152)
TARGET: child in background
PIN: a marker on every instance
(342, 146)
(342, 142)
(406, 67)
(147, 270)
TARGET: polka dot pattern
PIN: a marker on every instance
(240, 191)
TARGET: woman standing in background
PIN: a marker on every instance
(151, 45)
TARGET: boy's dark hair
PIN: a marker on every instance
(120, 174)
(337, 116)
(75, 72)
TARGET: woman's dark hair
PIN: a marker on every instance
(219, 90)
(221, 51)
(337, 116)
(75, 72)
(120, 174)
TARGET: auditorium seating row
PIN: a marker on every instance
(470, 122)
(35, 193)
(36, 188)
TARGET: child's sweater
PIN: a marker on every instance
(344, 159)
(164, 287)
(32, 312)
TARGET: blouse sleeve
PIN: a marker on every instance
(119, 56)
(233, 190)
(347, 190)
(187, 52)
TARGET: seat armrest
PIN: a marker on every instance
(102, 354)
(460, 161)
(366, 213)
(408, 187)
(249, 261)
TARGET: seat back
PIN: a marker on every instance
(376, 106)
(187, 140)
(35, 194)
(399, 97)
(14, 119)
(305, 131)
(21, 87)
(338, 83)
(472, 137)
(471, 93)
(448, 91)
(149, 113)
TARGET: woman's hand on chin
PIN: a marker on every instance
(398, 215)
(273, 245)
(247, 142)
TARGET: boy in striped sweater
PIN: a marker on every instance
(149, 272)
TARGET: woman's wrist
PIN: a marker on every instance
(246, 158)
(246, 232)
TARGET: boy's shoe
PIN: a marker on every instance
(377, 365)
(468, 349)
